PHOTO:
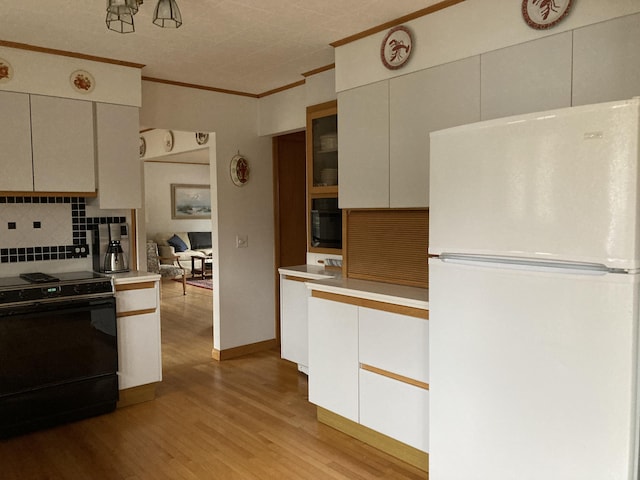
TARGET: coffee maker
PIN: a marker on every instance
(111, 248)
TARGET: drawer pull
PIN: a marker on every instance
(395, 376)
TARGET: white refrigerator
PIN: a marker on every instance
(534, 246)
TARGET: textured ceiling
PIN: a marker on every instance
(251, 46)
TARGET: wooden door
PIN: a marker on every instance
(289, 169)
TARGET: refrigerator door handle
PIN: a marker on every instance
(529, 264)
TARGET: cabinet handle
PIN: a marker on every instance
(395, 376)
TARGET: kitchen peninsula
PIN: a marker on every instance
(367, 357)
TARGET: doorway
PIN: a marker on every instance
(289, 170)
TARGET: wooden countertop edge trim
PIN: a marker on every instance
(135, 286)
(132, 313)
(375, 304)
(395, 376)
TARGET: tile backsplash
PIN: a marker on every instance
(45, 228)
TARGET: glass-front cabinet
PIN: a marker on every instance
(324, 219)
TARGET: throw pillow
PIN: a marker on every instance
(177, 243)
(200, 240)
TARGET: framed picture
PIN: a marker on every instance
(190, 201)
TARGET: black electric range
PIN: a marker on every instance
(38, 286)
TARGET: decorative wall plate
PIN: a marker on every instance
(239, 170)
(396, 47)
(82, 81)
(143, 147)
(168, 141)
(6, 71)
(202, 138)
(543, 14)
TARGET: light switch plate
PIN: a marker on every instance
(242, 241)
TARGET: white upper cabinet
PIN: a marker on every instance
(62, 145)
(118, 161)
(384, 132)
(530, 77)
(428, 100)
(606, 61)
(363, 156)
(15, 142)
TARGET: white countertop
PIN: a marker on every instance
(331, 281)
(134, 276)
(312, 272)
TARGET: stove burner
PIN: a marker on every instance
(38, 277)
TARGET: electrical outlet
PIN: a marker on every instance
(242, 241)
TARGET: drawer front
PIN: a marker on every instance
(395, 409)
(137, 299)
(395, 343)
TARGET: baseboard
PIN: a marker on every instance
(235, 352)
(133, 395)
(404, 452)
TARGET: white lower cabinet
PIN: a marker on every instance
(394, 408)
(372, 367)
(139, 347)
(294, 326)
(333, 356)
(139, 359)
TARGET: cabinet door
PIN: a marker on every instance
(529, 77)
(333, 356)
(396, 409)
(63, 145)
(139, 353)
(119, 168)
(396, 343)
(294, 326)
(363, 130)
(15, 142)
(606, 61)
(419, 103)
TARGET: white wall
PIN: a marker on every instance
(158, 177)
(463, 30)
(286, 111)
(244, 278)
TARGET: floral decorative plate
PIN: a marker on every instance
(202, 138)
(168, 141)
(396, 47)
(543, 14)
(143, 147)
(6, 71)
(82, 81)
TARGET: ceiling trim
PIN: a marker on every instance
(64, 53)
(398, 21)
(199, 87)
(280, 89)
(315, 71)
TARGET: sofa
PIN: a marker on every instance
(184, 245)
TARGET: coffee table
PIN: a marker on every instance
(201, 265)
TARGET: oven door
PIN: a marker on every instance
(57, 360)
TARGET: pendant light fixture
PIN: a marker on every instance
(167, 14)
(120, 14)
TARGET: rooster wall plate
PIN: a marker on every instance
(543, 14)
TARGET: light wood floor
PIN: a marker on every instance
(247, 418)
